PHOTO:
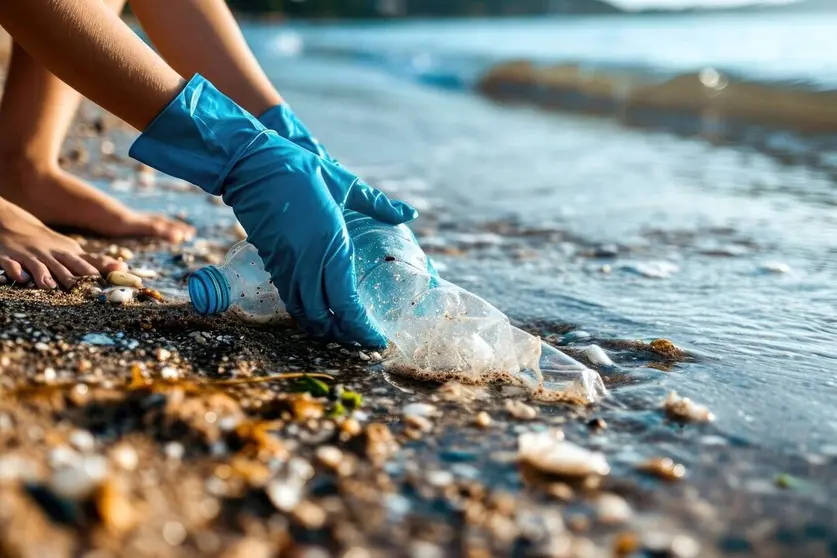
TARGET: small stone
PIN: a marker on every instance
(597, 424)
(124, 279)
(92, 291)
(597, 356)
(350, 427)
(363, 356)
(162, 354)
(310, 515)
(82, 440)
(124, 254)
(683, 409)
(125, 457)
(483, 419)
(612, 509)
(329, 456)
(418, 422)
(174, 450)
(144, 272)
(775, 267)
(419, 410)
(520, 410)
(664, 468)
(169, 373)
(549, 453)
(107, 147)
(376, 356)
(440, 479)
(41, 346)
(120, 295)
(78, 480)
(174, 533)
(284, 494)
(49, 374)
(333, 346)
(625, 544)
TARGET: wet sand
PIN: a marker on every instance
(147, 439)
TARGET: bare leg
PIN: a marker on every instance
(46, 256)
(36, 110)
(202, 36)
(119, 72)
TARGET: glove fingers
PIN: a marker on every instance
(374, 203)
(351, 322)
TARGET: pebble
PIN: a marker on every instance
(376, 356)
(597, 356)
(144, 272)
(284, 494)
(363, 356)
(125, 457)
(174, 533)
(174, 450)
(664, 468)
(82, 440)
(550, 453)
(418, 422)
(520, 410)
(124, 279)
(483, 419)
(683, 409)
(419, 410)
(120, 295)
(310, 515)
(50, 375)
(775, 267)
(162, 354)
(107, 147)
(612, 509)
(329, 456)
(169, 373)
(79, 479)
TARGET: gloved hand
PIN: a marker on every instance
(286, 123)
(283, 120)
(289, 201)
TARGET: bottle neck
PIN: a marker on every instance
(209, 291)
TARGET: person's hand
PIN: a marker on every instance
(289, 200)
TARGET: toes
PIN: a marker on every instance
(104, 264)
(39, 272)
(14, 270)
(60, 272)
(76, 264)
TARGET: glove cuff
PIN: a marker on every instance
(198, 137)
(282, 119)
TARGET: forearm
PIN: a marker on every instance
(202, 36)
(88, 47)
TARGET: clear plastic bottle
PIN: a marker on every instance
(240, 285)
(437, 327)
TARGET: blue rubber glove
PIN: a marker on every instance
(283, 120)
(289, 201)
(286, 123)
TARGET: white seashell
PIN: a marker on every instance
(550, 453)
(596, 355)
(419, 410)
(120, 295)
(144, 272)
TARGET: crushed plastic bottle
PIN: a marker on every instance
(241, 285)
(438, 330)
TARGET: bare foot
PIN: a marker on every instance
(58, 198)
(29, 250)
